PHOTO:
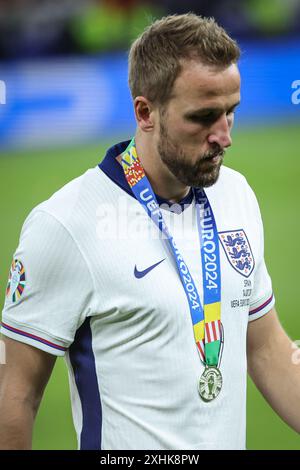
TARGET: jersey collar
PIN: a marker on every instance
(112, 168)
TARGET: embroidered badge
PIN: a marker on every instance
(16, 281)
(238, 251)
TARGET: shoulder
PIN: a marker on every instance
(232, 192)
(229, 175)
(68, 199)
(234, 183)
(71, 202)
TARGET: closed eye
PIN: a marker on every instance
(203, 119)
(209, 116)
(232, 111)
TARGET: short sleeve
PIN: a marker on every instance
(262, 297)
(49, 289)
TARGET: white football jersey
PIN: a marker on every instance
(93, 280)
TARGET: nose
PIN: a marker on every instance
(220, 132)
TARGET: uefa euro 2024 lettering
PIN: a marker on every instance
(296, 93)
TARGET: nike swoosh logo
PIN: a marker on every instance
(139, 274)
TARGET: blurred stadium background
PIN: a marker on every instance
(64, 64)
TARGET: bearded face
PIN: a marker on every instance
(201, 172)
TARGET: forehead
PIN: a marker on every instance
(199, 85)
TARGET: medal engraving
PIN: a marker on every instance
(210, 383)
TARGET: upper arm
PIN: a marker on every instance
(25, 374)
(265, 335)
(49, 289)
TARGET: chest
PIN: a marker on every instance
(137, 279)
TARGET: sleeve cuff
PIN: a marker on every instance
(260, 308)
(33, 338)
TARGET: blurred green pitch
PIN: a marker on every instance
(268, 157)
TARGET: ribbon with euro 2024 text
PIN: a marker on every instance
(206, 321)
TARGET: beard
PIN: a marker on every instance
(201, 174)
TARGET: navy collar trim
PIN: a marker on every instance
(112, 168)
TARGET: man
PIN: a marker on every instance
(157, 332)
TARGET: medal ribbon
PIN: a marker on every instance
(206, 322)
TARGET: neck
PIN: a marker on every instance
(162, 181)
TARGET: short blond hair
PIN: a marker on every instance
(155, 57)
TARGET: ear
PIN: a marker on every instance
(144, 113)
